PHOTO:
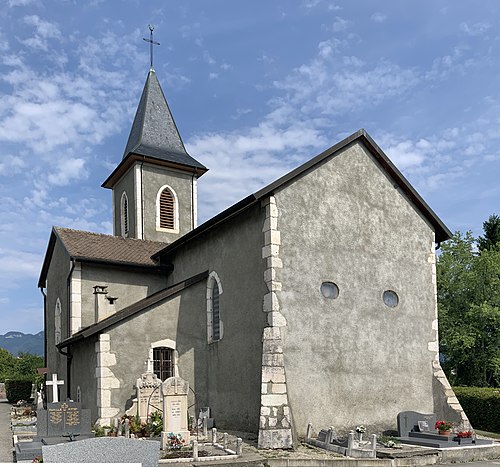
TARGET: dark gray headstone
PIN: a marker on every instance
(408, 421)
(105, 450)
(62, 418)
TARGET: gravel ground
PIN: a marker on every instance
(5, 433)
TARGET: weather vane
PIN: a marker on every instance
(151, 42)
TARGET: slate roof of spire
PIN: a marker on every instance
(154, 135)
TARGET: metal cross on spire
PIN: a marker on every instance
(151, 43)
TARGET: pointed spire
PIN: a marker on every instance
(154, 133)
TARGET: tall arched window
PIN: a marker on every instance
(124, 215)
(215, 327)
(167, 211)
(57, 322)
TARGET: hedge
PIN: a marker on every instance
(18, 389)
(482, 406)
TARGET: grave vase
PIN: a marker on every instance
(444, 432)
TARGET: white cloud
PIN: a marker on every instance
(11, 165)
(213, 75)
(476, 29)
(378, 17)
(341, 24)
(68, 170)
(13, 3)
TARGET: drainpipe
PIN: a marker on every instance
(67, 354)
(44, 327)
(142, 199)
(69, 358)
(192, 202)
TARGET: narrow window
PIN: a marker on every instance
(124, 215)
(163, 366)
(57, 322)
(214, 323)
(167, 214)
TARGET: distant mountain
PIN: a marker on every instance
(15, 342)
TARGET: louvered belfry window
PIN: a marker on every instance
(162, 362)
(215, 313)
(124, 215)
(167, 209)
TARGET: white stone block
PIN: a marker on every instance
(272, 421)
(102, 346)
(278, 388)
(272, 237)
(271, 210)
(274, 399)
(286, 411)
(435, 325)
(103, 337)
(104, 398)
(274, 286)
(274, 410)
(266, 411)
(432, 346)
(274, 262)
(271, 333)
(108, 412)
(270, 303)
(262, 422)
(285, 423)
(275, 318)
(273, 374)
(272, 346)
(275, 439)
(269, 274)
(273, 359)
(103, 372)
(106, 359)
(271, 223)
(270, 250)
(264, 388)
(108, 383)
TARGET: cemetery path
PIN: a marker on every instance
(5, 432)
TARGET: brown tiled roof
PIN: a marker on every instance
(83, 245)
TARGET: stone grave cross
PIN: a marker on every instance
(54, 383)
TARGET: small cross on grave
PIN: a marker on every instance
(54, 383)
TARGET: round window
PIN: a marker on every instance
(329, 290)
(391, 298)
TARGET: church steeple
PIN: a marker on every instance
(155, 184)
(154, 132)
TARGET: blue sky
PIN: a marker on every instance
(256, 88)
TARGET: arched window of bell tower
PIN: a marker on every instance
(167, 210)
(124, 215)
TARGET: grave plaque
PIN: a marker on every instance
(175, 418)
(411, 421)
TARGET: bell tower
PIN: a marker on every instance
(155, 184)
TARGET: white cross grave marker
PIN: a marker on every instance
(54, 383)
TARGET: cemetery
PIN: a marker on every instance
(60, 430)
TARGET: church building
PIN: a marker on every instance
(312, 300)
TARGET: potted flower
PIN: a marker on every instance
(443, 427)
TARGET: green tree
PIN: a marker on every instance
(27, 363)
(491, 237)
(7, 362)
(469, 311)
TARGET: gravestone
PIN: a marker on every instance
(105, 450)
(148, 395)
(175, 405)
(409, 422)
(3, 394)
(62, 422)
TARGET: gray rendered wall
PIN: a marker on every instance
(154, 178)
(127, 284)
(353, 360)
(131, 340)
(127, 185)
(227, 374)
(83, 367)
(57, 274)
